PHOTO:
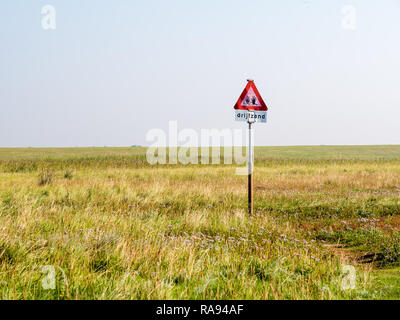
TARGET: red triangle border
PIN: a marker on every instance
(239, 106)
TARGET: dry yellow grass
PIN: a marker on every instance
(125, 232)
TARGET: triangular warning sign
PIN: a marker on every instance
(250, 99)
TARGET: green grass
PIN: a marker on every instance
(380, 152)
(387, 282)
(117, 228)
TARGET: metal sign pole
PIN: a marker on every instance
(251, 108)
(250, 172)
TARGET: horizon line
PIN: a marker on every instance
(230, 146)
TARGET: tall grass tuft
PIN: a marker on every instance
(46, 177)
(68, 174)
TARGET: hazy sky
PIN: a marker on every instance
(112, 70)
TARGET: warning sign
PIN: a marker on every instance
(250, 99)
(251, 105)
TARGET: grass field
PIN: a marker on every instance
(101, 223)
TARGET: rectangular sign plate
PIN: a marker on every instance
(258, 116)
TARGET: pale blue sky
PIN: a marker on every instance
(112, 70)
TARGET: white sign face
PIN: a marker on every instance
(250, 100)
(255, 116)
